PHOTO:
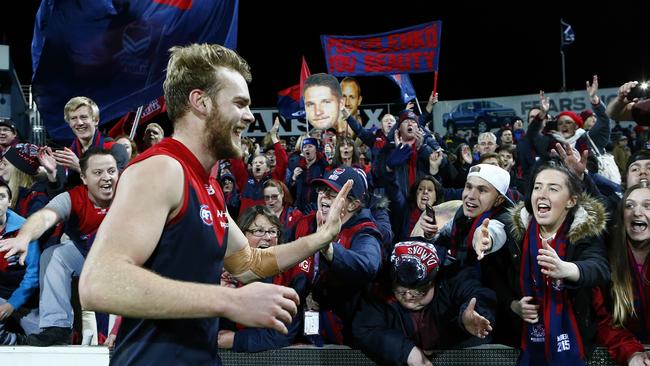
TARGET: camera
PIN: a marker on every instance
(641, 91)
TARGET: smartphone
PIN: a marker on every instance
(431, 213)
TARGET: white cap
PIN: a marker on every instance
(498, 177)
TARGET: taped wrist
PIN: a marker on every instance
(250, 264)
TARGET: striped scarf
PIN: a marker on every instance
(556, 337)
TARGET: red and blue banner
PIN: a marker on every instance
(408, 50)
(115, 52)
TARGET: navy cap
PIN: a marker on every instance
(407, 114)
(337, 178)
(9, 123)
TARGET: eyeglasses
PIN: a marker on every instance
(327, 192)
(271, 197)
(415, 294)
(260, 233)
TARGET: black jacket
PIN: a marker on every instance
(384, 330)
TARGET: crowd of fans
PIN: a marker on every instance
(522, 236)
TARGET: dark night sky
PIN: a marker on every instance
(484, 53)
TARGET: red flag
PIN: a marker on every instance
(304, 74)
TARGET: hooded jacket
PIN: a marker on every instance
(585, 248)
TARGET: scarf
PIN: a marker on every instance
(641, 289)
(557, 329)
(464, 251)
(98, 141)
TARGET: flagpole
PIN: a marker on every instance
(435, 82)
(136, 122)
(418, 104)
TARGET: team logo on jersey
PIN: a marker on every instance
(209, 189)
(304, 265)
(206, 215)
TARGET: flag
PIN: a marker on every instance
(115, 52)
(408, 50)
(290, 101)
(304, 74)
(152, 109)
(568, 36)
(405, 86)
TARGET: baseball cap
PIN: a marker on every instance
(9, 123)
(414, 263)
(309, 141)
(407, 114)
(496, 176)
(337, 178)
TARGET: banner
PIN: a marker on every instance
(115, 52)
(409, 50)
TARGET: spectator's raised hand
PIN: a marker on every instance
(47, 161)
(482, 242)
(550, 262)
(67, 158)
(419, 138)
(544, 105)
(592, 90)
(466, 154)
(332, 225)
(433, 99)
(274, 130)
(625, 89)
(572, 158)
(475, 323)
(410, 106)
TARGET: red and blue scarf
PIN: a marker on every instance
(459, 231)
(98, 141)
(556, 337)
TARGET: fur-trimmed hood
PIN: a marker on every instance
(589, 220)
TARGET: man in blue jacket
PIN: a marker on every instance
(418, 312)
(18, 283)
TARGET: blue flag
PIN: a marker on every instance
(115, 52)
(568, 36)
(406, 88)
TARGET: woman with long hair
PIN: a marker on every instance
(19, 169)
(562, 258)
(624, 324)
(278, 199)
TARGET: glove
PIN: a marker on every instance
(399, 155)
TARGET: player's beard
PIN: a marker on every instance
(218, 136)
